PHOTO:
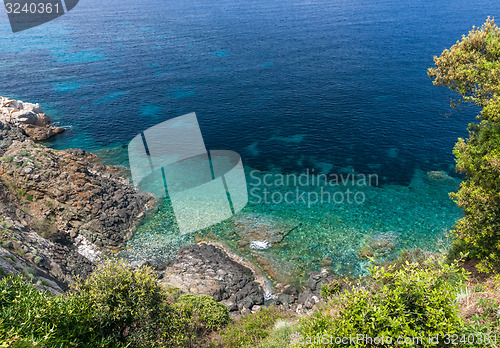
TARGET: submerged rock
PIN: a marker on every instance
(261, 231)
(440, 176)
(379, 245)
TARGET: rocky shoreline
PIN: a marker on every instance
(62, 210)
(210, 270)
(59, 210)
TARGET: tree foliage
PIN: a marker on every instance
(471, 67)
(413, 301)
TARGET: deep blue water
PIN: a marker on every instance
(287, 84)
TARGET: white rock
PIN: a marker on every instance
(32, 107)
(17, 112)
(260, 245)
(255, 308)
(86, 248)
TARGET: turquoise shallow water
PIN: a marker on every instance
(330, 86)
(397, 217)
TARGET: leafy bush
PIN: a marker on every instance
(128, 305)
(331, 288)
(413, 301)
(116, 306)
(280, 337)
(206, 313)
(30, 315)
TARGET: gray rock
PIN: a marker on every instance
(285, 299)
(206, 269)
(291, 290)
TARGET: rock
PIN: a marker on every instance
(291, 290)
(12, 263)
(245, 304)
(34, 108)
(9, 134)
(261, 231)
(285, 299)
(78, 196)
(29, 117)
(256, 308)
(326, 262)
(39, 133)
(304, 296)
(439, 175)
(316, 279)
(311, 301)
(24, 117)
(379, 245)
(211, 271)
(231, 306)
(250, 293)
(60, 206)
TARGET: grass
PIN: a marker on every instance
(251, 330)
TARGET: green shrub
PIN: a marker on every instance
(280, 337)
(116, 306)
(30, 315)
(129, 306)
(413, 301)
(331, 288)
(206, 313)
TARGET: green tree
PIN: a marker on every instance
(471, 67)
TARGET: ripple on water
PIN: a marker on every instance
(66, 87)
(72, 57)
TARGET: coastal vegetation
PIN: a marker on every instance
(116, 306)
(122, 306)
(471, 67)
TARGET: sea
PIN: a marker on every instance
(315, 87)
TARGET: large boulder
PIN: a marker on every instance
(39, 133)
(76, 194)
(206, 269)
(29, 117)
